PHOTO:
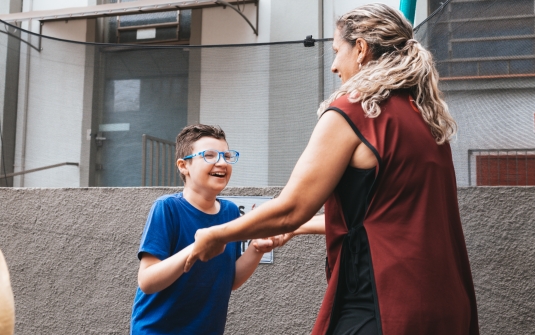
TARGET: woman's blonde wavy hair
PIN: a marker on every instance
(398, 62)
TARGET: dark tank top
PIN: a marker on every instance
(354, 303)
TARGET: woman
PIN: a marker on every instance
(380, 161)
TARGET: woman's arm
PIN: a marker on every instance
(155, 275)
(313, 179)
(316, 225)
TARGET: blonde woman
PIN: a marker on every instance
(380, 161)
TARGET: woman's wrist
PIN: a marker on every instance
(218, 233)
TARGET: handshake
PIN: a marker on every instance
(263, 245)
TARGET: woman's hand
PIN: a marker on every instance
(206, 247)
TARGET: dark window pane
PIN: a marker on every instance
(493, 68)
(509, 27)
(522, 66)
(463, 69)
(148, 19)
(167, 33)
(185, 24)
(472, 9)
(496, 48)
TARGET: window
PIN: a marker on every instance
(172, 27)
(484, 38)
(507, 167)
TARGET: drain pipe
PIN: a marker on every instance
(26, 101)
(408, 8)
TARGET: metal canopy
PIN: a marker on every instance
(126, 8)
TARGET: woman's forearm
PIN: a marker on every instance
(275, 217)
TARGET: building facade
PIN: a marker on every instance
(89, 102)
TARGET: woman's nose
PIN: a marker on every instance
(333, 69)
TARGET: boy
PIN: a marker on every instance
(169, 301)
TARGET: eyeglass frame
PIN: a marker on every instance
(219, 155)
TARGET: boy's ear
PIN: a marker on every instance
(182, 167)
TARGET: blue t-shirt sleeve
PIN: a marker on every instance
(160, 231)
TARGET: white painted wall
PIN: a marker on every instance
(57, 4)
(225, 26)
(333, 9)
(295, 20)
(50, 109)
(245, 122)
(50, 113)
(244, 72)
(226, 76)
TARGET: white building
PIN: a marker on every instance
(89, 104)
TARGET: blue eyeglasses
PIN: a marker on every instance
(212, 156)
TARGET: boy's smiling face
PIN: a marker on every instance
(203, 177)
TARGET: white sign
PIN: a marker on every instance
(246, 204)
(146, 33)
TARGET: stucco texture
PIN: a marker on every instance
(71, 254)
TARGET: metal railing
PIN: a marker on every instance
(37, 169)
(158, 162)
(502, 167)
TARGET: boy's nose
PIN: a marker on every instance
(221, 159)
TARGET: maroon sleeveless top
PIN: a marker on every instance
(420, 273)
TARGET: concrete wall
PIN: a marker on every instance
(72, 258)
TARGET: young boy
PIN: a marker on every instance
(169, 301)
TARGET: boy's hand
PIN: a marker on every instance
(264, 245)
(205, 248)
(267, 244)
(285, 238)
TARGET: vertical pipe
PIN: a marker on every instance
(408, 8)
(143, 159)
(151, 158)
(157, 168)
(469, 168)
(26, 105)
(169, 165)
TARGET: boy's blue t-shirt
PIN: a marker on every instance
(197, 302)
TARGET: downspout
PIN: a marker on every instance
(26, 102)
(321, 55)
(408, 8)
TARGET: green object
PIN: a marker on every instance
(408, 8)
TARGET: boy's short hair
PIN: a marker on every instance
(193, 133)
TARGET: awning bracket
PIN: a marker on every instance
(14, 35)
(237, 10)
